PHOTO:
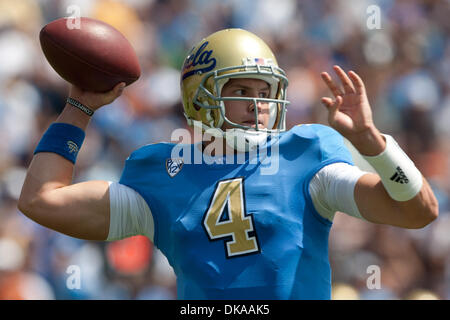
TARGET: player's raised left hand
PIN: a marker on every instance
(349, 112)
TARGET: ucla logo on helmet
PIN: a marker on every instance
(200, 61)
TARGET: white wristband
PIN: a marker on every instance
(400, 177)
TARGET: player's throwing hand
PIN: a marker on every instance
(95, 100)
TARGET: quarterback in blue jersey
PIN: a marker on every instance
(245, 211)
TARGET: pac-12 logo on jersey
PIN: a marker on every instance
(173, 166)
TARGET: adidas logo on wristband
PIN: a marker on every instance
(399, 176)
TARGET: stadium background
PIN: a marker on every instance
(405, 65)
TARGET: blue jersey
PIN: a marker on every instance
(231, 231)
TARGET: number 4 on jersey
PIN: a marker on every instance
(228, 201)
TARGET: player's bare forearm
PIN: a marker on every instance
(49, 171)
(373, 200)
(74, 117)
(375, 204)
(369, 142)
(48, 196)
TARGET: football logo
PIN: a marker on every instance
(173, 166)
(73, 148)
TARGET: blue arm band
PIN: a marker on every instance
(63, 139)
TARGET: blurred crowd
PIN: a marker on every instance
(403, 58)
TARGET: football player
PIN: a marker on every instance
(229, 229)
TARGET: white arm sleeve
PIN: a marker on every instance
(129, 214)
(332, 189)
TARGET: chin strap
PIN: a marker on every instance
(239, 139)
(245, 140)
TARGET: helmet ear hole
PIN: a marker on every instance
(196, 106)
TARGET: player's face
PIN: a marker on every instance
(243, 112)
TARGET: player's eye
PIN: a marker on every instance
(240, 92)
(264, 94)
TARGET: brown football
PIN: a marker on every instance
(91, 55)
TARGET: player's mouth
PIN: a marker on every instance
(252, 124)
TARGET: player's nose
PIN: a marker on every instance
(261, 105)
